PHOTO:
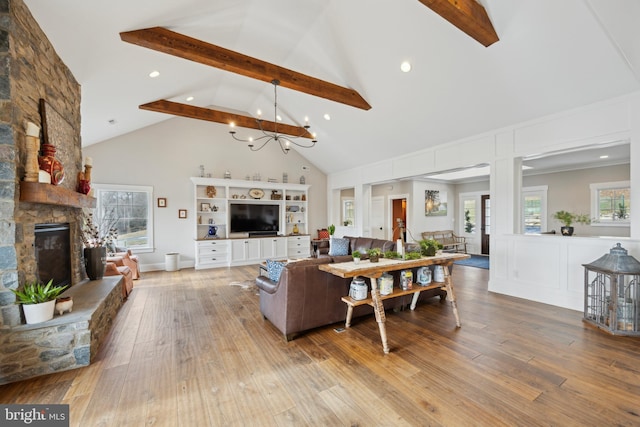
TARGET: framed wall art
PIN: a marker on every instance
(162, 202)
(182, 213)
(435, 203)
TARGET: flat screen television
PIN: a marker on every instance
(255, 219)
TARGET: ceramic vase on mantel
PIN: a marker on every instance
(50, 164)
(95, 262)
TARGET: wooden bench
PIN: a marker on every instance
(448, 240)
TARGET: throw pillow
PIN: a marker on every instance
(274, 269)
(323, 234)
(338, 246)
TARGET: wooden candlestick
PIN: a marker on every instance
(87, 172)
(31, 167)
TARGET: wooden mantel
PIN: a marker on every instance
(37, 192)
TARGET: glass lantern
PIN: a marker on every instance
(612, 293)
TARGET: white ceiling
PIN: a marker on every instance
(552, 55)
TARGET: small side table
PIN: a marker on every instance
(315, 243)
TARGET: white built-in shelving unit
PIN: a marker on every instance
(218, 246)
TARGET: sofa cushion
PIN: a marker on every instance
(274, 269)
(338, 246)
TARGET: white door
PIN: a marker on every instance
(378, 229)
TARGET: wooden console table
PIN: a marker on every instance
(375, 270)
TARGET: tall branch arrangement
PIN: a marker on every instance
(98, 231)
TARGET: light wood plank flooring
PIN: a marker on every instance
(188, 349)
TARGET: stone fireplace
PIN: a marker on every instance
(30, 71)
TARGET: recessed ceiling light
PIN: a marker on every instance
(327, 116)
(189, 98)
(112, 121)
(405, 66)
(154, 74)
(604, 157)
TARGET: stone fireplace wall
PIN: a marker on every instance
(30, 69)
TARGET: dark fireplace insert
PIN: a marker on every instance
(53, 253)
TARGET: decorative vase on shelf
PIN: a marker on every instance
(95, 262)
(50, 164)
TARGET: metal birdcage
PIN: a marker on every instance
(612, 292)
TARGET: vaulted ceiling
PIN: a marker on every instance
(551, 56)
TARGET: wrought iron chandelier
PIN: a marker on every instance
(285, 141)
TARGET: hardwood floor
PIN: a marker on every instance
(188, 349)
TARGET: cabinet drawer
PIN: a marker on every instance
(298, 242)
(204, 259)
(218, 244)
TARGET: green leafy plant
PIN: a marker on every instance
(356, 254)
(332, 229)
(428, 247)
(412, 255)
(374, 252)
(468, 225)
(391, 255)
(568, 218)
(622, 211)
(36, 292)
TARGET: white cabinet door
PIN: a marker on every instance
(245, 250)
(273, 247)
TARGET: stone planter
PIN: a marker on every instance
(95, 262)
(36, 313)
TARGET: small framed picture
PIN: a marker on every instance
(205, 207)
(182, 213)
(162, 202)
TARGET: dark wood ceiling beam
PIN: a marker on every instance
(468, 15)
(176, 44)
(201, 113)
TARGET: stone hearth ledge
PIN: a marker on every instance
(67, 341)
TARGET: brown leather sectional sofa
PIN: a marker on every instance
(305, 297)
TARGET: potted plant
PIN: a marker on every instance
(374, 254)
(356, 256)
(97, 234)
(332, 229)
(38, 300)
(568, 218)
(429, 247)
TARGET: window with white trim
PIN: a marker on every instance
(611, 203)
(131, 206)
(534, 209)
(348, 212)
(469, 212)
